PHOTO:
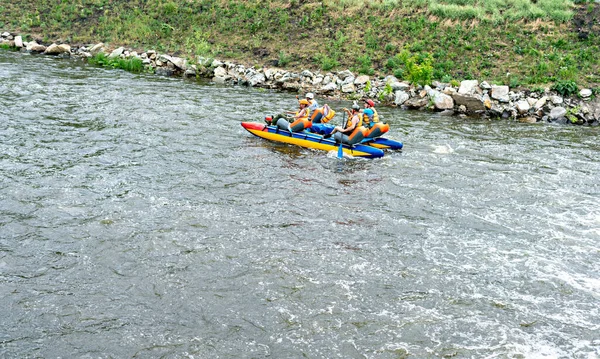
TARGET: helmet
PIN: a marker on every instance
(310, 95)
(304, 102)
(370, 103)
(355, 107)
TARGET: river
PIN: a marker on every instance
(138, 219)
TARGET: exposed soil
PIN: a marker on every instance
(586, 21)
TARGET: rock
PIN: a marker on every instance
(116, 52)
(344, 74)
(220, 72)
(179, 62)
(531, 101)
(441, 101)
(585, 93)
(348, 80)
(5, 34)
(557, 100)
(330, 87)
(291, 86)
(472, 103)
(467, 87)
(500, 93)
(257, 79)
(557, 113)
(164, 71)
(399, 86)
(361, 80)
(190, 72)
(485, 86)
(97, 49)
(55, 49)
(416, 102)
(522, 106)
(33, 46)
(19, 41)
(307, 73)
(348, 88)
(447, 113)
(400, 97)
(529, 119)
(540, 103)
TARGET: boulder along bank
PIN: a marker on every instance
(470, 98)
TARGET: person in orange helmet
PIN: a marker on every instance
(296, 123)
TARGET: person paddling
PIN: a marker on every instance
(300, 119)
(353, 132)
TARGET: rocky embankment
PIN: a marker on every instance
(470, 98)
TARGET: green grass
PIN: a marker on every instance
(132, 64)
(502, 41)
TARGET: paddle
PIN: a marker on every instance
(340, 149)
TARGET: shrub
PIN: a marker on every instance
(565, 88)
(284, 58)
(420, 70)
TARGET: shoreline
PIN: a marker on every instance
(468, 98)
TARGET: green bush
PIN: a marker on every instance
(420, 70)
(284, 59)
(565, 88)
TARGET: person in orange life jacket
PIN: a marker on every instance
(299, 120)
(371, 116)
(353, 132)
(371, 121)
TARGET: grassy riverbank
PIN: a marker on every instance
(514, 42)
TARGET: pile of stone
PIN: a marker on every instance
(470, 98)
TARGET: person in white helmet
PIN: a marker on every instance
(310, 97)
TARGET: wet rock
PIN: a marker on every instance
(400, 97)
(529, 119)
(33, 46)
(472, 103)
(557, 113)
(55, 49)
(416, 102)
(441, 101)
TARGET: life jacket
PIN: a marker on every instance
(328, 114)
(306, 114)
(375, 115)
(349, 122)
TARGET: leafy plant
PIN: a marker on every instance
(420, 70)
(565, 88)
(284, 58)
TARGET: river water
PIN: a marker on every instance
(139, 219)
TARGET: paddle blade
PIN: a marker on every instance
(340, 152)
